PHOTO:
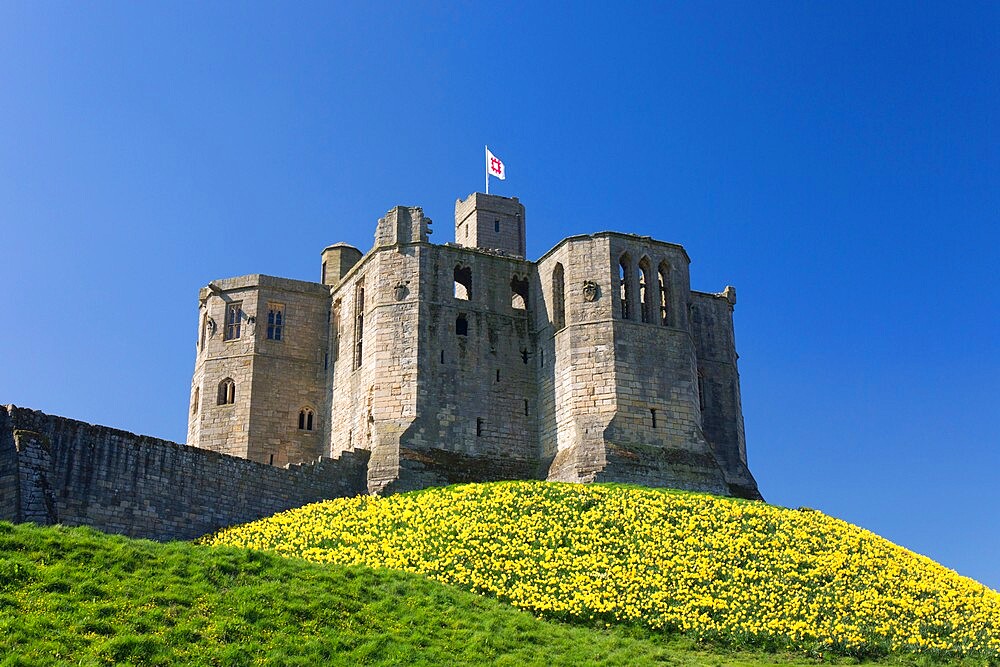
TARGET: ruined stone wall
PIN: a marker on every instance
(477, 396)
(75, 473)
(372, 396)
(722, 413)
(9, 501)
(576, 371)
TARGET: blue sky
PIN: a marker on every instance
(838, 163)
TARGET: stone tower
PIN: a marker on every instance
(467, 362)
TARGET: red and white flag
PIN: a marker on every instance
(494, 167)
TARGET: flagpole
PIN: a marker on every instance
(486, 162)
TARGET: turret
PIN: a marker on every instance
(337, 261)
(490, 222)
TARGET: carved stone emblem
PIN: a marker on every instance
(401, 290)
(210, 325)
(589, 290)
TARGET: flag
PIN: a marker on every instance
(494, 167)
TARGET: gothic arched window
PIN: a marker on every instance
(645, 287)
(664, 276)
(625, 286)
(227, 392)
(306, 419)
(463, 282)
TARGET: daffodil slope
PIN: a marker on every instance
(738, 571)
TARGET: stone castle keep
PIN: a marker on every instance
(467, 362)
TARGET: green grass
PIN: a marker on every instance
(80, 597)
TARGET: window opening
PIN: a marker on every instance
(359, 323)
(461, 326)
(323, 279)
(196, 401)
(701, 390)
(227, 392)
(234, 315)
(305, 419)
(463, 282)
(664, 272)
(519, 293)
(498, 375)
(275, 320)
(336, 329)
(326, 361)
(558, 298)
(524, 355)
(652, 413)
(525, 407)
(624, 286)
(479, 426)
(496, 225)
(645, 297)
(271, 460)
(204, 330)
(442, 356)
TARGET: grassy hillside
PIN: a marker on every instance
(741, 573)
(78, 597)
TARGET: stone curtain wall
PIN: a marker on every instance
(8, 469)
(75, 473)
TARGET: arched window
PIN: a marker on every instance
(558, 298)
(227, 392)
(664, 272)
(519, 293)
(463, 282)
(306, 419)
(461, 326)
(645, 287)
(196, 400)
(625, 286)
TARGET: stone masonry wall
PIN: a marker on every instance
(75, 473)
(9, 500)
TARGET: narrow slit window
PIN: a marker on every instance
(271, 460)
(496, 225)
(275, 321)
(442, 356)
(652, 413)
(701, 390)
(335, 326)
(498, 375)
(196, 401)
(359, 323)
(479, 426)
(558, 298)
(234, 318)
(525, 407)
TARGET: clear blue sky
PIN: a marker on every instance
(837, 162)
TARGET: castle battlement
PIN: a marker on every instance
(465, 361)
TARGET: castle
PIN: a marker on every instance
(468, 362)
